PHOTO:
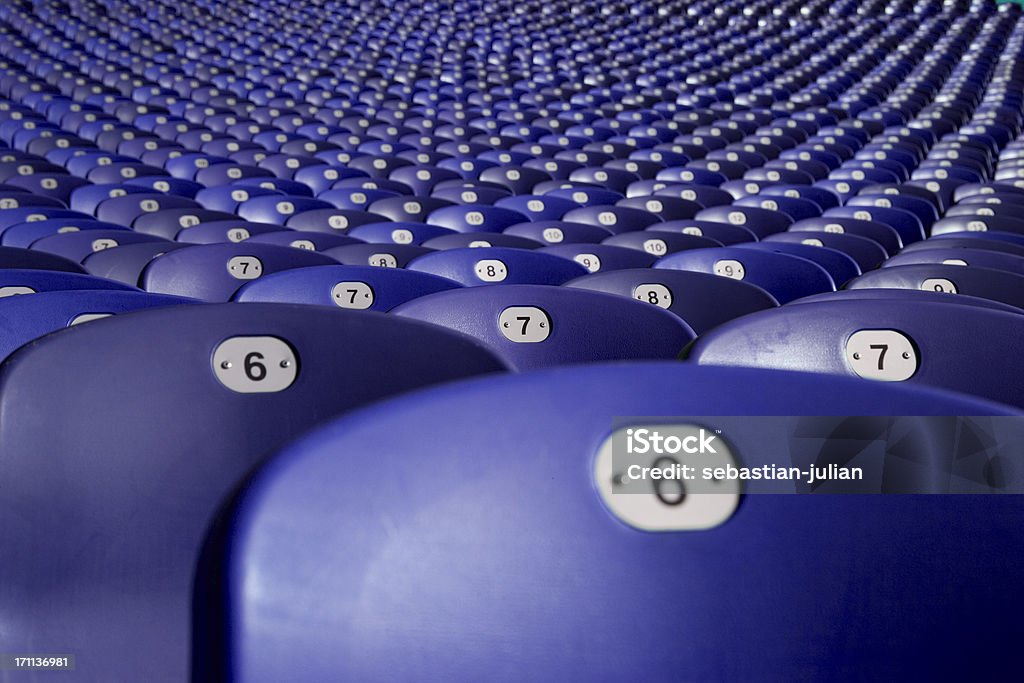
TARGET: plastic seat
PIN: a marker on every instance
(866, 253)
(559, 232)
(263, 580)
(126, 262)
(885, 236)
(76, 246)
(475, 218)
(796, 209)
(214, 272)
(277, 209)
(168, 223)
(465, 240)
(332, 220)
(26, 259)
(955, 224)
(537, 207)
(497, 265)
(881, 339)
(665, 208)
(726, 233)
(784, 276)
(348, 287)
(987, 283)
(88, 197)
(536, 326)
(410, 209)
(223, 386)
(16, 281)
(215, 232)
(617, 219)
(659, 243)
(228, 197)
(903, 222)
(24, 234)
(602, 257)
(841, 267)
(378, 255)
(703, 301)
(25, 319)
(303, 239)
(761, 222)
(518, 179)
(125, 210)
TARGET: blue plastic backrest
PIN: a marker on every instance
(24, 318)
(784, 276)
(999, 285)
(909, 295)
(498, 265)
(151, 441)
(214, 272)
(964, 348)
(703, 301)
(534, 326)
(408, 576)
(13, 257)
(15, 281)
(126, 262)
(349, 287)
(866, 253)
(961, 255)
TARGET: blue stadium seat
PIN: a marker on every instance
(867, 253)
(261, 612)
(987, 283)
(203, 400)
(379, 255)
(214, 272)
(702, 301)
(25, 319)
(887, 340)
(473, 267)
(602, 257)
(535, 326)
(349, 287)
(784, 276)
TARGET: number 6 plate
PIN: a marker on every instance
(255, 365)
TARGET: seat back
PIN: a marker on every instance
(531, 552)
(167, 411)
(534, 326)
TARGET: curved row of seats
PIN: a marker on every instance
(289, 292)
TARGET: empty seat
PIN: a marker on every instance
(24, 319)
(761, 222)
(602, 257)
(961, 255)
(126, 262)
(534, 326)
(885, 236)
(25, 234)
(20, 280)
(497, 265)
(260, 599)
(988, 283)
(867, 253)
(350, 287)
(214, 272)
(76, 246)
(462, 240)
(882, 339)
(784, 276)
(218, 389)
(703, 301)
